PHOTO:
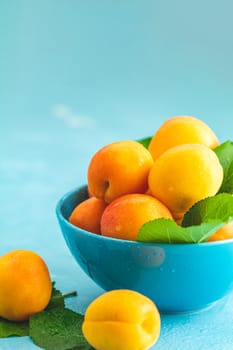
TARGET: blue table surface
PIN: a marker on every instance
(78, 75)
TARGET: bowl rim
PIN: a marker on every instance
(61, 217)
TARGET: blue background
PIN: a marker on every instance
(76, 75)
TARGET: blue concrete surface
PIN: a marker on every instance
(75, 75)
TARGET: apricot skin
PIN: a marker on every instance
(225, 232)
(121, 319)
(180, 130)
(119, 168)
(125, 215)
(25, 285)
(183, 175)
(87, 215)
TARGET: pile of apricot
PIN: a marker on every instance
(129, 185)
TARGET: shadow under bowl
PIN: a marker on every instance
(177, 277)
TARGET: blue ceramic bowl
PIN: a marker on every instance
(177, 277)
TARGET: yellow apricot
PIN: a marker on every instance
(125, 215)
(87, 214)
(225, 232)
(179, 130)
(119, 168)
(183, 175)
(25, 285)
(121, 320)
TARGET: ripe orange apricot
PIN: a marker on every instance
(183, 175)
(125, 215)
(121, 319)
(225, 232)
(25, 285)
(119, 168)
(179, 130)
(87, 214)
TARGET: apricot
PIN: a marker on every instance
(225, 232)
(121, 319)
(180, 130)
(25, 285)
(119, 168)
(183, 175)
(87, 214)
(125, 215)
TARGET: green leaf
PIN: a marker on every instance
(145, 141)
(199, 223)
(218, 207)
(57, 299)
(82, 347)
(225, 155)
(59, 329)
(8, 328)
(167, 231)
(20, 329)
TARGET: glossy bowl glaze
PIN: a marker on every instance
(177, 277)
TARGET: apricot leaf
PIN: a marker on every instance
(225, 156)
(58, 299)
(199, 223)
(20, 329)
(145, 141)
(218, 207)
(54, 328)
(59, 329)
(8, 328)
(167, 231)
